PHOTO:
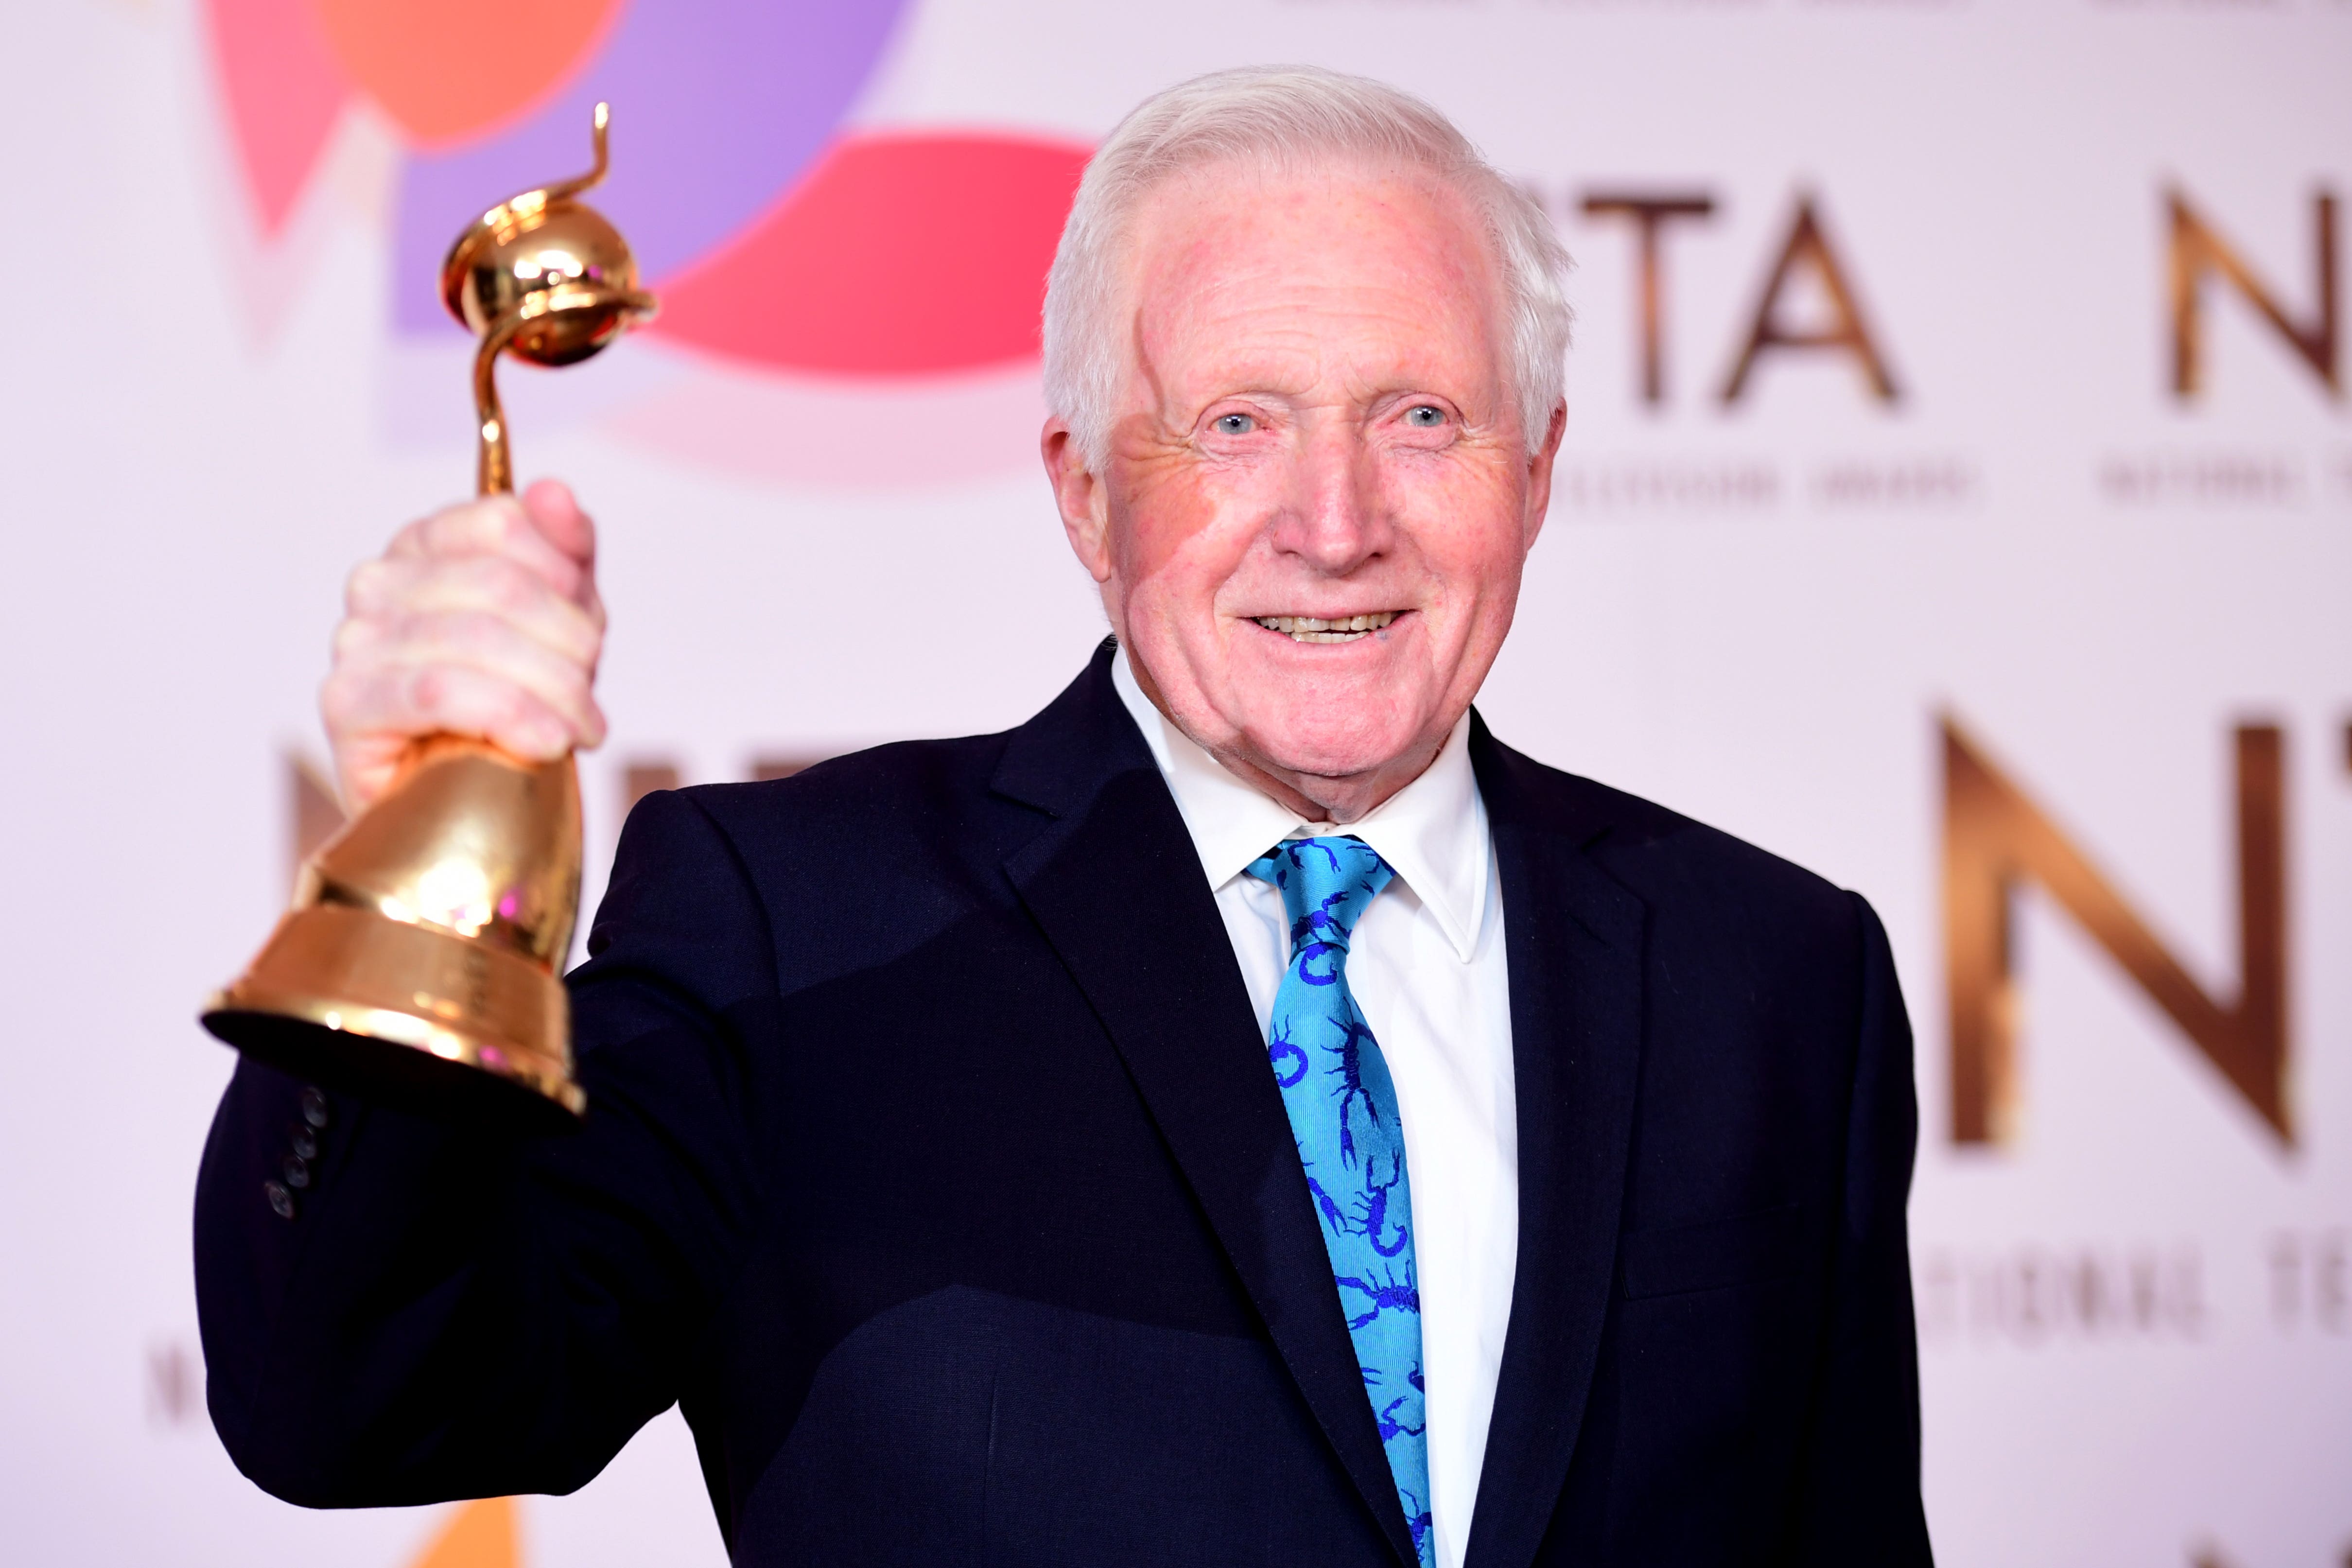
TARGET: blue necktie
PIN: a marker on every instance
(1343, 1112)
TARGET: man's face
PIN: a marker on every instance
(1318, 498)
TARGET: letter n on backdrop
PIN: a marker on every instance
(2196, 249)
(1995, 836)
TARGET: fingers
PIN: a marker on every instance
(392, 596)
(373, 712)
(381, 703)
(414, 646)
(500, 526)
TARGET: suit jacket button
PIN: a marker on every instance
(303, 1140)
(314, 1106)
(281, 1202)
(298, 1172)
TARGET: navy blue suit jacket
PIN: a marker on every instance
(933, 1165)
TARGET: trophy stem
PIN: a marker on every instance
(494, 472)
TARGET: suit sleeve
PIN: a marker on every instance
(455, 1313)
(1859, 1500)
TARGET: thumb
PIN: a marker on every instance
(550, 505)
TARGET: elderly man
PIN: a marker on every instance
(1247, 1113)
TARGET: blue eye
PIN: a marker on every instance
(1234, 424)
(1424, 416)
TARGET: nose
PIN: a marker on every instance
(1331, 516)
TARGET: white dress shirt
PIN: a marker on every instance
(1426, 966)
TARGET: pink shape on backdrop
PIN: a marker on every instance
(897, 255)
(447, 70)
(719, 108)
(285, 93)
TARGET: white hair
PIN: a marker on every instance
(1285, 118)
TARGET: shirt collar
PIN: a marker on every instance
(1432, 832)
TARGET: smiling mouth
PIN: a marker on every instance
(1315, 629)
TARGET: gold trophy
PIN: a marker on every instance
(420, 961)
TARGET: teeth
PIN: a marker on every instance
(1316, 628)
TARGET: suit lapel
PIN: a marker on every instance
(1116, 885)
(1573, 936)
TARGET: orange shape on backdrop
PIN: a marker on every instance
(482, 1535)
(895, 256)
(285, 93)
(444, 68)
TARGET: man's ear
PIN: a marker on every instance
(1540, 466)
(1081, 498)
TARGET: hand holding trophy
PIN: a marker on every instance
(420, 962)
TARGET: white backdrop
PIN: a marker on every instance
(1753, 612)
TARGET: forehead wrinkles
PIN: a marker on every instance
(1242, 271)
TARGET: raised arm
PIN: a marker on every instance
(396, 1309)
(457, 1312)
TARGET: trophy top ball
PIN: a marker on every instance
(559, 266)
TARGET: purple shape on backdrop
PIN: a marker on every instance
(718, 105)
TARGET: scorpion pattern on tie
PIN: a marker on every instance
(1343, 1111)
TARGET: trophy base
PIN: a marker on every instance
(407, 1015)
